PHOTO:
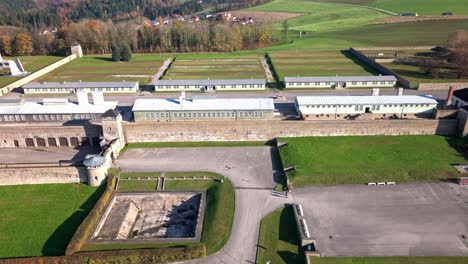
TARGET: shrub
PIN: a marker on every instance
(126, 52)
(116, 55)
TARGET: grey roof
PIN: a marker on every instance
(94, 161)
(63, 108)
(377, 78)
(203, 104)
(78, 85)
(365, 100)
(211, 82)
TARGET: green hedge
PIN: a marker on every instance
(86, 228)
(137, 256)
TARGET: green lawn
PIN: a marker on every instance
(219, 213)
(193, 144)
(38, 220)
(362, 159)
(424, 7)
(321, 17)
(390, 260)
(279, 240)
(102, 68)
(199, 66)
(317, 63)
(137, 185)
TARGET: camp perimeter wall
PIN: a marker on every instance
(262, 130)
(385, 71)
(441, 86)
(16, 174)
(31, 77)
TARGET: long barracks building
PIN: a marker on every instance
(210, 85)
(198, 109)
(341, 82)
(73, 87)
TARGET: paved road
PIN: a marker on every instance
(38, 155)
(246, 167)
(423, 219)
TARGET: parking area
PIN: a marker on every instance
(423, 219)
(51, 154)
(249, 167)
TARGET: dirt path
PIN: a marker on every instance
(161, 70)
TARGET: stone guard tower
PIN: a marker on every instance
(76, 49)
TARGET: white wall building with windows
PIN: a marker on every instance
(340, 82)
(350, 107)
(210, 85)
(73, 87)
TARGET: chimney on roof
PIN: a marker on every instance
(449, 96)
(400, 91)
(98, 98)
(375, 91)
(82, 97)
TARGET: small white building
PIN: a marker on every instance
(380, 81)
(210, 85)
(198, 109)
(73, 87)
(369, 107)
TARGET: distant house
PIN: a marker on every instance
(210, 85)
(409, 14)
(447, 14)
(341, 82)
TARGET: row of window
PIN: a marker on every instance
(350, 106)
(202, 86)
(188, 115)
(334, 83)
(12, 118)
(72, 90)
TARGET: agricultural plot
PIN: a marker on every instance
(215, 66)
(344, 160)
(141, 68)
(39, 220)
(317, 63)
(31, 64)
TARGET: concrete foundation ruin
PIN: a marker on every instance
(152, 216)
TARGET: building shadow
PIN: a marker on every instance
(460, 145)
(57, 243)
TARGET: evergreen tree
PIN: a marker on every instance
(126, 52)
(116, 53)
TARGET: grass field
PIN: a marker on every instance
(390, 260)
(219, 212)
(39, 220)
(31, 64)
(362, 159)
(137, 185)
(317, 63)
(216, 66)
(102, 68)
(279, 240)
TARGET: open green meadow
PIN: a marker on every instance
(102, 68)
(219, 212)
(30, 64)
(216, 66)
(363, 159)
(317, 63)
(389, 260)
(40, 220)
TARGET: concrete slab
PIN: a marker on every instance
(426, 219)
(38, 155)
(246, 167)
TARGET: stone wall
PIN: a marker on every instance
(31, 77)
(41, 175)
(17, 133)
(397, 48)
(442, 86)
(266, 130)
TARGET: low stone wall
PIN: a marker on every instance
(441, 86)
(31, 77)
(41, 175)
(268, 129)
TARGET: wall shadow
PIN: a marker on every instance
(57, 243)
(359, 62)
(288, 233)
(277, 166)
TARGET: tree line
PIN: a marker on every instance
(98, 37)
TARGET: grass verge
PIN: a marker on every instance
(193, 144)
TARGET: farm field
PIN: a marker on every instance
(216, 66)
(102, 68)
(30, 64)
(219, 213)
(317, 63)
(39, 220)
(344, 160)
